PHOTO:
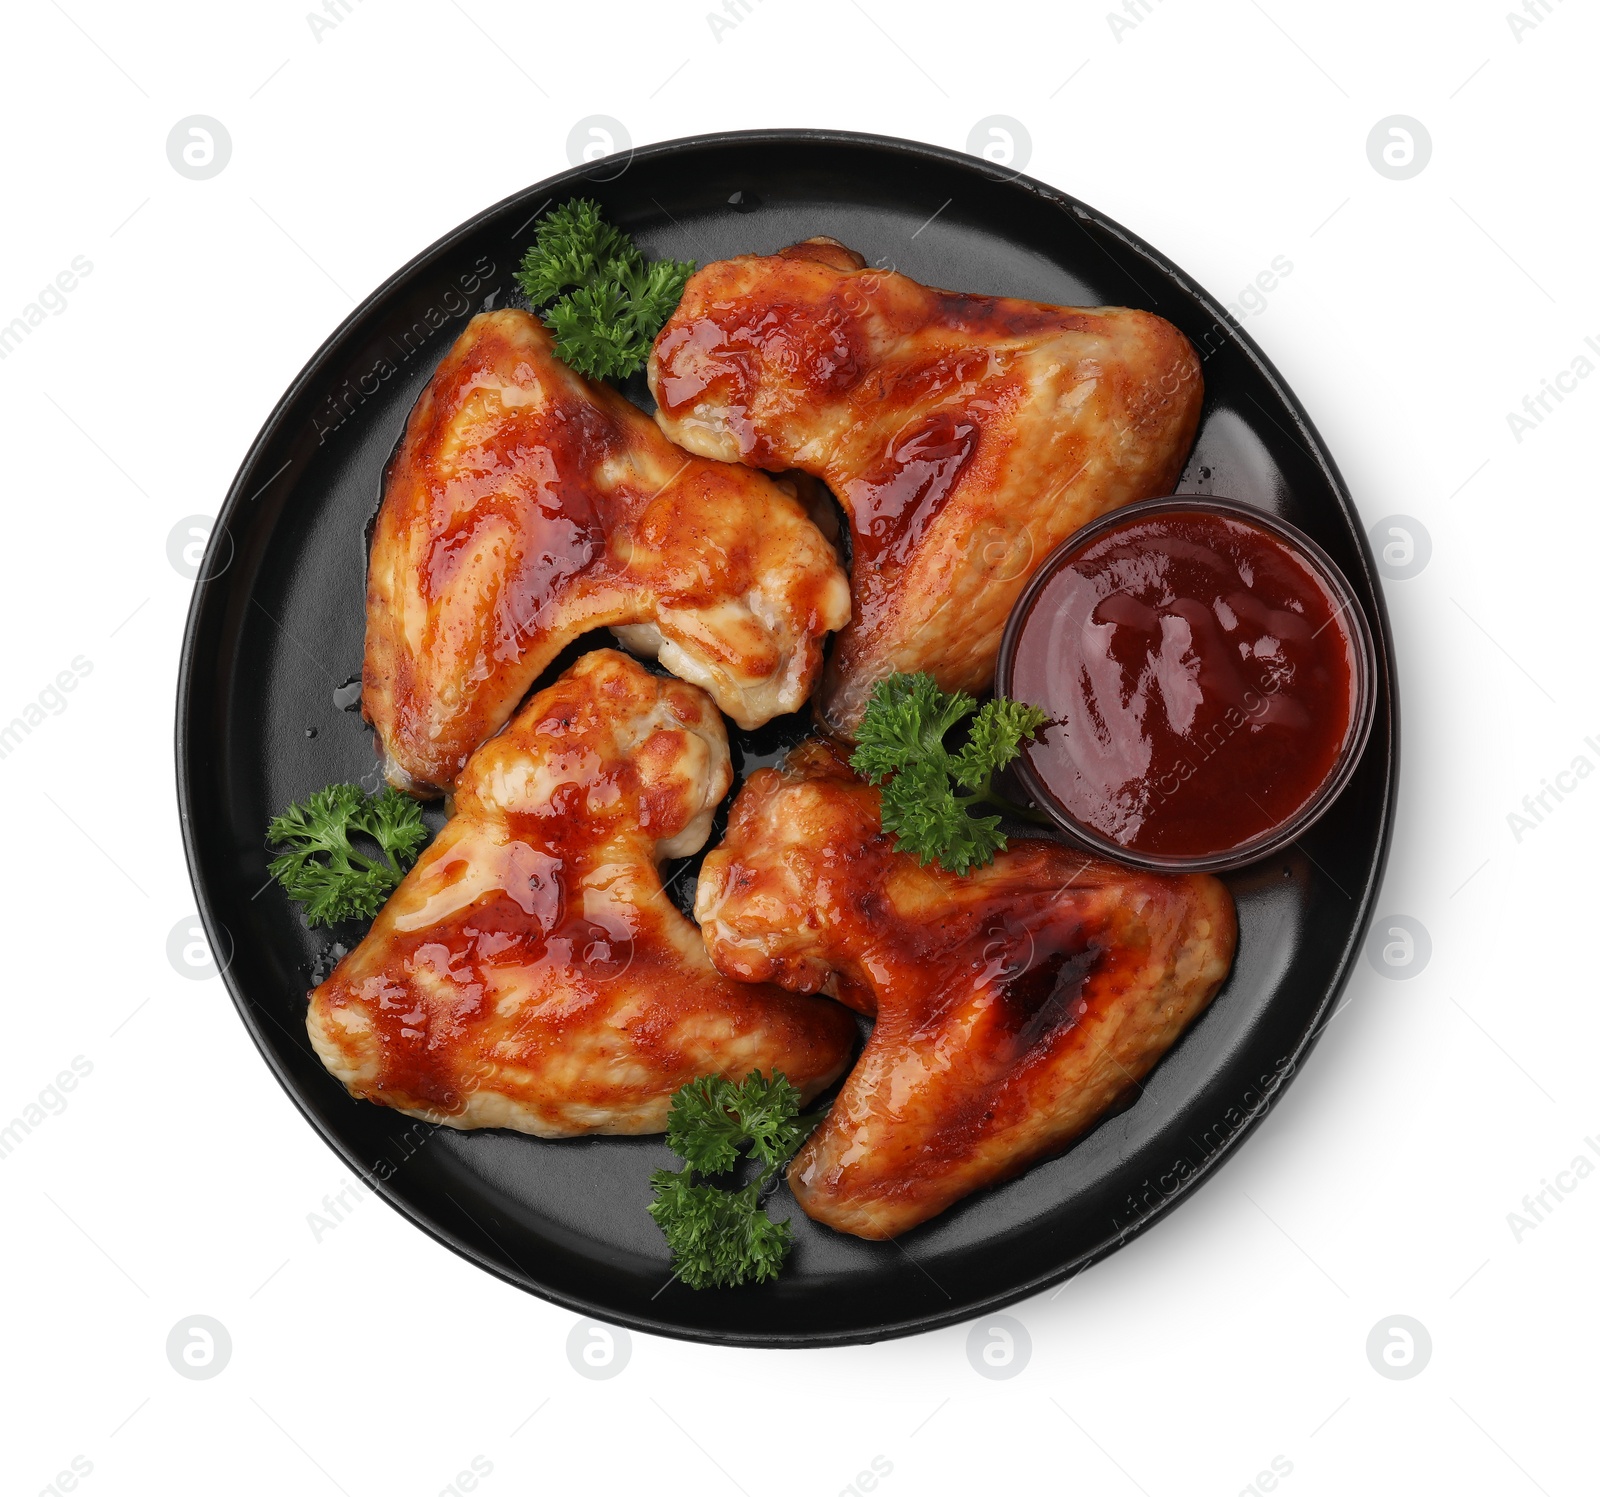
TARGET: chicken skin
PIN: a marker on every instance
(963, 435)
(1015, 1005)
(527, 504)
(530, 972)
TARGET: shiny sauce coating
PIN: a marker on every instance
(1200, 678)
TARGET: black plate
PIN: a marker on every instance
(276, 626)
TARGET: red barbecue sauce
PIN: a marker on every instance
(1201, 679)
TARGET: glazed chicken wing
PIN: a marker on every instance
(1015, 1005)
(530, 972)
(526, 505)
(963, 435)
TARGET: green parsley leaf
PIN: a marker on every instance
(573, 246)
(929, 821)
(900, 746)
(701, 1130)
(323, 870)
(994, 738)
(604, 302)
(722, 1237)
(769, 1113)
(719, 1238)
(906, 720)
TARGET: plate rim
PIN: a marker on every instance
(245, 485)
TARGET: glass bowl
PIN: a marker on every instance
(1362, 687)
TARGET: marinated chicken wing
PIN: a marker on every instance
(964, 435)
(530, 972)
(1015, 1005)
(526, 505)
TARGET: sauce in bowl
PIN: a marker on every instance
(1207, 673)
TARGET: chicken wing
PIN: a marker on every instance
(1015, 1005)
(964, 435)
(526, 505)
(530, 972)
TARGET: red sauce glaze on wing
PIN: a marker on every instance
(525, 506)
(812, 348)
(986, 318)
(528, 925)
(1015, 1004)
(530, 971)
(964, 436)
(895, 502)
(430, 1052)
(536, 470)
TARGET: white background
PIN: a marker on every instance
(178, 1180)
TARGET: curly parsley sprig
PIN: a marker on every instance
(928, 791)
(718, 1236)
(602, 299)
(322, 869)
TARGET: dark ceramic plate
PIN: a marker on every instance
(276, 628)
